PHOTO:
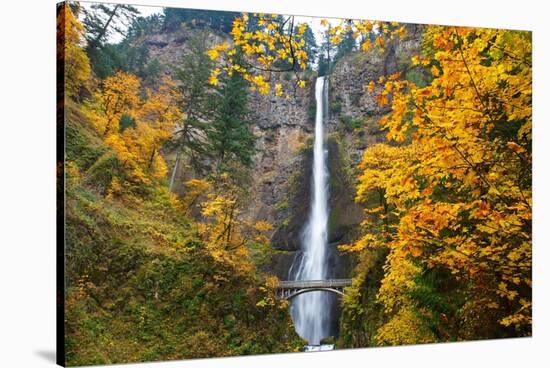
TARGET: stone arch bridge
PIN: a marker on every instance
(290, 289)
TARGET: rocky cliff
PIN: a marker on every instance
(281, 173)
(353, 117)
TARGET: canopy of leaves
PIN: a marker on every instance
(456, 189)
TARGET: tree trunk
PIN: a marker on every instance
(95, 42)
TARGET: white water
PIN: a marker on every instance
(324, 347)
(311, 311)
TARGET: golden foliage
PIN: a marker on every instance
(118, 96)
(457, 183)
(260, 43)
(362, 28)
(69, 51)
(405, 328)
(153, 118)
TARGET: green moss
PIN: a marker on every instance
(282, 204)
(335, 106)
(350, 124)
(362, 316)
(78, 146)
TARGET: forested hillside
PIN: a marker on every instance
(145, 279)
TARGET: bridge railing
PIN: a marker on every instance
(304, 284)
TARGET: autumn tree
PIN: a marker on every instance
(157, 117)
(70, 54)
(152, 118)
(117, 96)
(226, 233)
(458, 181)
(262, 45)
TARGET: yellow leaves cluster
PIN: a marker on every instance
(260, 82)
(213, 79)
(263, 42)
(384, 32)
(195, 189)
(456, 187)
(223, 229)
(278, 89)
(260, 44)
(136, 146)
(214, 52)
(118, 96)
(405, 328)
(69, 51)
(263, 226)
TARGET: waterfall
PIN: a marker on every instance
(173, 177)
(311, 311)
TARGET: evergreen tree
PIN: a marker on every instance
(231, 141)
(310, 45)
(326, 50)
(195, 18)
(103, 20)
(190, 137)
(345, 46)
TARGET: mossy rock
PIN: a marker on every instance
(329, 340)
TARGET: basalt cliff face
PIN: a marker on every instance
(353, 125)
(281, 172)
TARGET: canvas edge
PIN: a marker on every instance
(60, 196)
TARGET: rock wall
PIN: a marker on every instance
(353, 112)
(281, 174)
(353, 126)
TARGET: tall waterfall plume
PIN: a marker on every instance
(311, 311)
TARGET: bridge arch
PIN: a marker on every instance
(308, 290)
(292, 288)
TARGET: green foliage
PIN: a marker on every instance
(142, 285)
(282, 204)
(104, 20)
(217, 20)
(362, 316)
(350, 123)
(335, 107)
(103, 171)
(310, 45)
(311, 111)
(230, 138)
(126, 121)
(129, 55)
(345, 46)
(418, 77)
(77, 142)
(325, 62)
(197, 102)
